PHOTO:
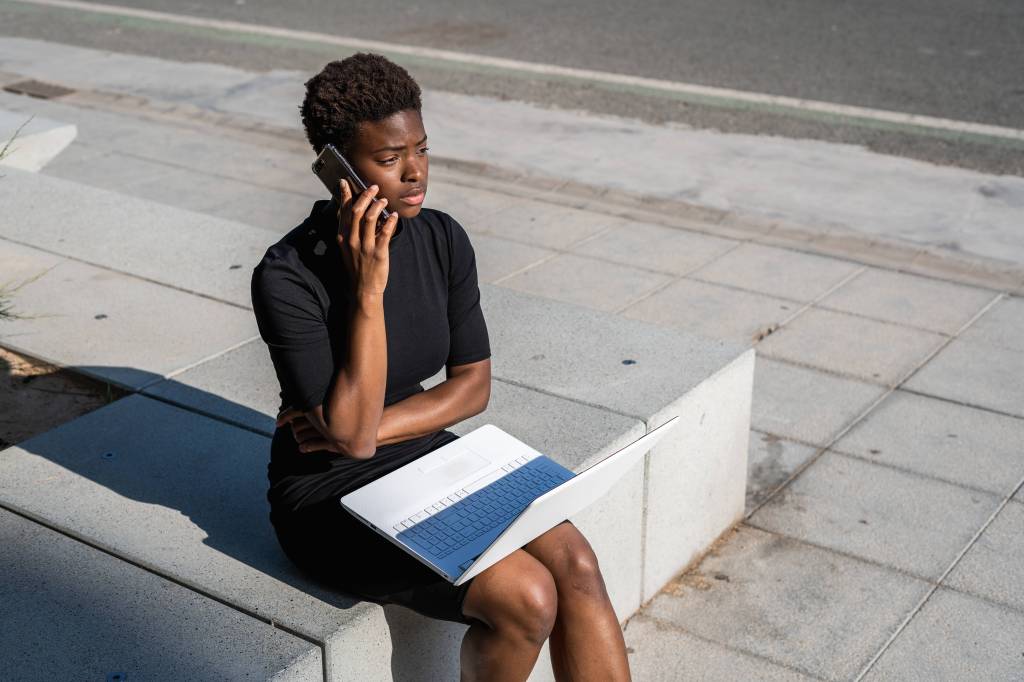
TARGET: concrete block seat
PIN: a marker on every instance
(172, 480)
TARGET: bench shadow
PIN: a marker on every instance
(171, 445)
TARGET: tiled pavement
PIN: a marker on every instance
(887, 428)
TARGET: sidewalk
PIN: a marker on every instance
(882, 535)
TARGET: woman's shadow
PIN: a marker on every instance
(182, 451)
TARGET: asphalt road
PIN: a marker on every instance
(955, 59)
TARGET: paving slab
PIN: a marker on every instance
(195, 191)
(165, 484)
(976, 374)
(112, 326)
(72, 612)
(902, 520)
(920, 302)
(498, 258)
(777, 272)
(1002, 325)
(956, 637)
(588, 282)
(994, 565)
(938, 438)
(878, 352)
(653, 247)
(594, 358)
(540, 223)
(714, 311)
(804, 404)
(273, 210)
(239, 386)
(770, 462)
(661, 652)
(796, 605)
(32, 142)
(111, 170)
(473, 208)
(184, 249)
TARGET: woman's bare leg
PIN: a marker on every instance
(516, 602)
(586, 640)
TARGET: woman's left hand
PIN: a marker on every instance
(304, 433)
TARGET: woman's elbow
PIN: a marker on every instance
(357, 449)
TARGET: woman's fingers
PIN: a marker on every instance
(358, 210)
(387, 230)
(370, 219)
(346, 193)
(286, 415)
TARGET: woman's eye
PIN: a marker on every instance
(389, 161)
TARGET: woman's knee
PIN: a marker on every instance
(517, 594)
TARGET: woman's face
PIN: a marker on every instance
(392, 154)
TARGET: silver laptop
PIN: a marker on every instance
(465, 506)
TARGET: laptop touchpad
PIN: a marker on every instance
(458, 466)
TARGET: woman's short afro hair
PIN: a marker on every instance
(363, 87)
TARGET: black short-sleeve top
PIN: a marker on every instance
(302, 297)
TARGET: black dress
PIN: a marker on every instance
(432, 315)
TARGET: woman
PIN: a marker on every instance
(356, 317)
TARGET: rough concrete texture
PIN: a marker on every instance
(994, 565)
(592, 283)
(824, 614)
(653, 247)
(956, 637)
(147, 481)
(770, 461)
(696, 477)
(804, 404)
(112, 326)
(976, 374)
(777, 272)
(497, 258)
(937, 438)
(55, 589)
(878, 352)
(714, 311)
(661, 652)
(31, 143)
(912, 523)
(238, 386)
(1002, 325)
(168, 245)
(546, 224)
(908, 299)
(590, 357)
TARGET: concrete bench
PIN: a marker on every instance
(172, 480)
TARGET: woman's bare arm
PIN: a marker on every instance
(354, 406)
(463, 394)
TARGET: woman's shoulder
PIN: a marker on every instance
(293, 259)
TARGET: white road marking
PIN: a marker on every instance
(708, 94)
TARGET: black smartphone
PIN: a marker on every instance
(330, 166)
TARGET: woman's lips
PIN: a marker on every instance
(414, 199)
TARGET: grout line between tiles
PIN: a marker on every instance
(938, 583)
(729, 647)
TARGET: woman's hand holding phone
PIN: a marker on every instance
(364, 249)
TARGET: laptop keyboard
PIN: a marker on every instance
(458, 519)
